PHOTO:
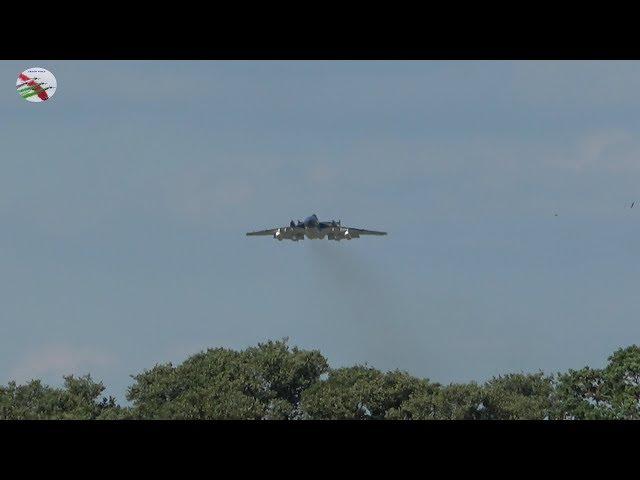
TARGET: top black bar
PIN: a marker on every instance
(428, 36)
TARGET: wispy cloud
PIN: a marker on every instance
(616, 149)
(57, 360)
(611, 150)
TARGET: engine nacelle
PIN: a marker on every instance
(278, 235)
(347, 235)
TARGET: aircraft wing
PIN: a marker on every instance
(285, 232)
(361, 231)
(263, 232)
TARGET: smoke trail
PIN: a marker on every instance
(366, 294)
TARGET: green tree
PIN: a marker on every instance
(360, 392)
(451, 402)
(518, 396)
(263, 382)
(609, 393)
(78, 399)
(275, 381)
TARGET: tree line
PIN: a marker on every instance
(276, 381)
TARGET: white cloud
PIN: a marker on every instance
(58, 360)
(615, 150)
(610, 149)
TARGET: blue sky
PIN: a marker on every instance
(125, 198)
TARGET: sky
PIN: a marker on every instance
(124, 202)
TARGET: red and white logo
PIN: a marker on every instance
(36, 84)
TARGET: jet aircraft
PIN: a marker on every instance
(312, 228)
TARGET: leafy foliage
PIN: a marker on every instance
(451, 402)
(609, 393)
(517, 397)
(77, 400)
(275, 381)
(360, 392)
(263, 382)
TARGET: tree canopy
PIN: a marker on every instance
(276, 381)
(78, 399)
(263, 382)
